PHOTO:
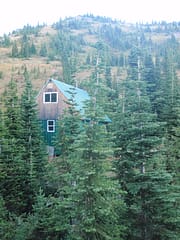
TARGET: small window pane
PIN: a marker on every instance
(50, 125)
(53, 97)
(47, 97)
(51, 129)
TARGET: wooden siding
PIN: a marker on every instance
(48, 111)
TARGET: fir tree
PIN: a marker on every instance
(15, 183)
(60, 183)
(14, 52)
(43, 50)
(94, 195)
(169, 109)
(31, 140)
(7, 226)
(47, 221)
(154, 210)
(138, 166)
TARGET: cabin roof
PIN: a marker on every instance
(80, 95)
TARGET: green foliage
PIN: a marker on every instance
(22, 156)
(5, 41)
(48, 220)
(139, 164)
(7, 226)
(131, 73)
(69, 128)
(43, 50)
(94, 195)
(15, 185)
(154, 210)
(27, 48)
(14, 52)
(66, 47)
(28, 30)
(31, 140)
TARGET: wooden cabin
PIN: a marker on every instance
(52, 102)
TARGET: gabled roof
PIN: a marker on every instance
(80, 95)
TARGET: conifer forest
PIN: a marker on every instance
(115, 181)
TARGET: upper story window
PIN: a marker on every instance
(50, 97)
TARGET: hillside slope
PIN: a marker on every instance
(72, 49)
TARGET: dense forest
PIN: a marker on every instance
(110, 181)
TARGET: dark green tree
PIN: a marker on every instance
(139, 164)
(155, 209)
(47, 221)
(168, 111)
(60, 169)
(32, 49)
(6, 40)
(25, 47)
(7, 226)
(15, 183)
(34, 153)
(43, 50)
(14, 52)
(96, 199)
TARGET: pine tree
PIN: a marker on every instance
(138, 166)
(150, 77)
(47, 221)
(32, 49)
(43, 50)
(15, 52)
(94, 195)
(154, 210)
(7, 226)
(15, 185)
(31, 140)
(60, 170)
(169, 108)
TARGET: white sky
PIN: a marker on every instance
(17, 13)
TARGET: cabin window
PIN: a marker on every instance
(50, 97)
(50, 125)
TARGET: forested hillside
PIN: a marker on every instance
(114, 181)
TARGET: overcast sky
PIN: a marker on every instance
(17, 13)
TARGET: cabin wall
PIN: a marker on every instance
(49, 137)
(51, 110)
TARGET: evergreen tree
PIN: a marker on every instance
(168, 111)
(138, 166)
(25, 47)
(60, 169)
(154, 210)
(33, 49)
(69, 126)
(15, 184)
(31, 140)
(94, 195)
(150, 77)
(43, 50)
(7, 226)
(47, 221)
(24, 51)
(14, 52)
